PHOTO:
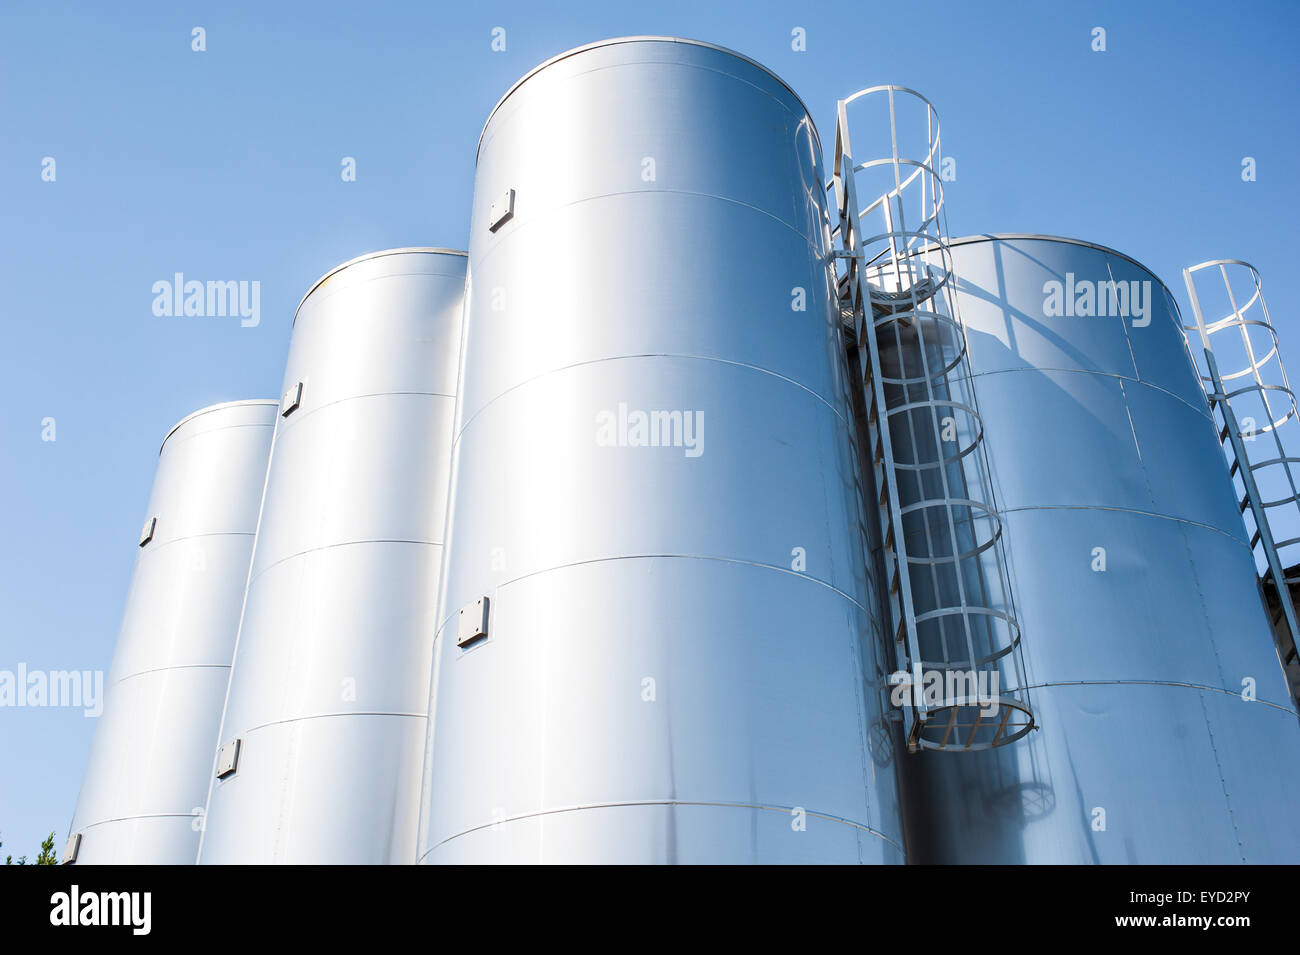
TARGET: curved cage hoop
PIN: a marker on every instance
(968, 725)
(966, 440)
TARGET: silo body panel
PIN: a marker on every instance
(681, 631)
(329, 689)
(147, 779)
(1137, 594)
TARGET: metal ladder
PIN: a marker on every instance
(1255, 390)
(948, 592)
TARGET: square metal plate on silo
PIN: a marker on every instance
(292, 399)
(228, 759)
(501, 211)
(472, 624)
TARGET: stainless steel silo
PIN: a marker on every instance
(146, 783)
(657, 630)
(319, 752)
(1166, 731)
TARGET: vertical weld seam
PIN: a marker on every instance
(1128, 339)
(1205, 610)
(1137, 446)
(1227, 799)
(1218, 665)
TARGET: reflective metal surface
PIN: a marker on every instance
(680, 632)
(645, 41)
(1143, 624)
(329, 689)
(146, 783)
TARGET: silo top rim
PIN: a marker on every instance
(372, 255)
(1012, 236)
(637, 39)
(219, 406)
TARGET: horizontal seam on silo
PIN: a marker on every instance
(323, 290)
(181, 439)
(308, 412)
(153, 548)
(596, 361)
(222, 406)
(325, 716)
(1100, 374)
(143, 815)
(1124, 510)
(638, 803)
(725, 560)
(178, 666)
(313, 550)
(378, 254)
(1176, 683)
(525, 222)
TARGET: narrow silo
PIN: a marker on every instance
(657, 630)
(146, 782)
(1166, 731)
(319, 751)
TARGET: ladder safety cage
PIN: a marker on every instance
(1252, 405)
(956, 637)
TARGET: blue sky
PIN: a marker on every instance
(225, 164)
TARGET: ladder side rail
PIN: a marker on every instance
(1263, 532)
(858, 288)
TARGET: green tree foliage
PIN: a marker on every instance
(46, 856)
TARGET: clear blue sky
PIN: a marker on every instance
(225, 165)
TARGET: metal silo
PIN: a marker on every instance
(657, 632)
(1166, 730)
(146, 782)
(319, 752)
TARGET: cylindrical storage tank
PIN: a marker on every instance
(320, 746)
(654, 488)
(1166, 732)
(146, 783)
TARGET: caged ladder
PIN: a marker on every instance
(1251, 405)
(955, 641)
